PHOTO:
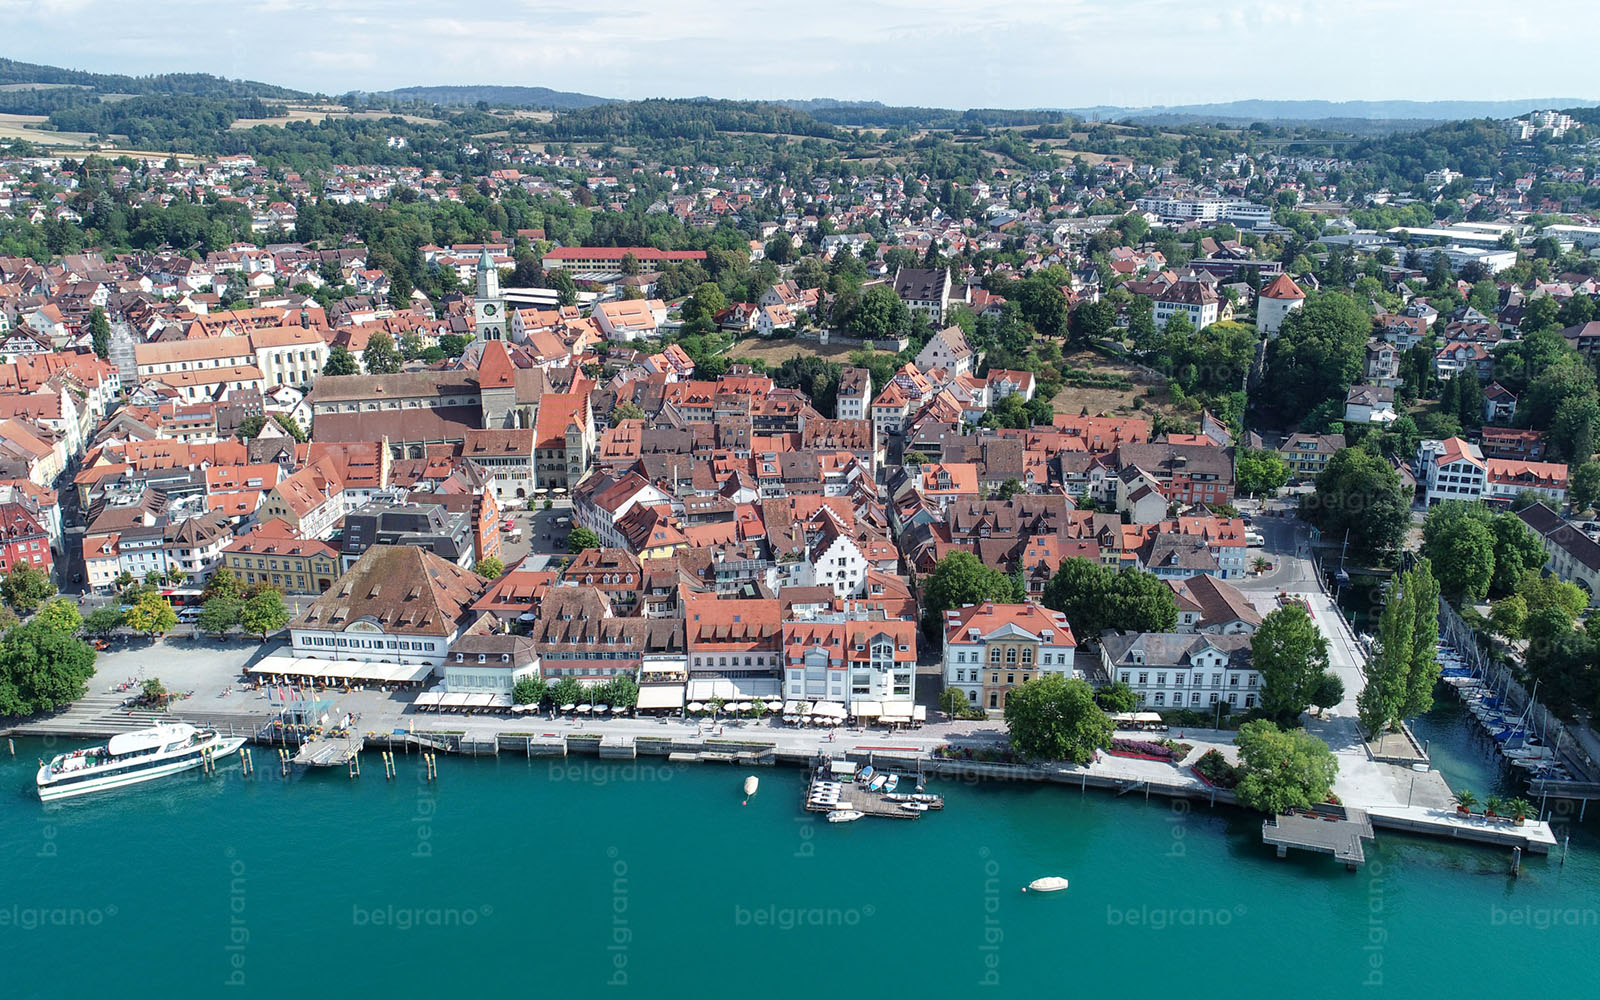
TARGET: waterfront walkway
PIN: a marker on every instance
(1394, 796)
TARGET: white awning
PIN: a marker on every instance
(828, 709)
(480, 700)
(920, 713)
(661, 696)
(733, 688)
(455, 700)
(899, 711)
(428, 699)
(867, 709)
(342, 670)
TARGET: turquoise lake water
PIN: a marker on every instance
(580, 878)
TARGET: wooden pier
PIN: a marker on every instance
(853, 795)
(1321, 833)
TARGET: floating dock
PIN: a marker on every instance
(854, 795)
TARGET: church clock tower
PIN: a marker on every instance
(488, 305)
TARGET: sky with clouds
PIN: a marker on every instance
(1048, 53)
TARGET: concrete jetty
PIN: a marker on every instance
(1337, 833)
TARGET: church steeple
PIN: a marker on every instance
(488, 276)
(488, 307)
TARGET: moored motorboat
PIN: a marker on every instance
(845, 815)
(891, 784)
(865, 774)
(915, 807)
(1050, 883)
(876, 784)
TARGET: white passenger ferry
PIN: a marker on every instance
(130, 758)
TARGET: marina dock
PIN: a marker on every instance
(833, 788)
(330, 751)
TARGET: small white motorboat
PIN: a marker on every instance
(1050, 883)
(845, 815)
(750, 785)
(914, 807)
(891, 784)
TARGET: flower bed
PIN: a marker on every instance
(983, 755)
(1214, 769)
(1139, 756)
(1165, 751)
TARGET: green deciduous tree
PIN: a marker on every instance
(223, 583)
(1463, 548)
(1291, 654)
(60, 615)
(1096, 598)
(961, 579)
(1318, 352)
(1328, 691)
(490, 568)
(103, 620)
(1056, 718)
(529, 691)
(151, 614)
(340, 362)
(42, 669)
(380, 357)
(568, 691)
(264, 613)
(1360, 493)
(219, 615)
(1261, 472)
(1585, 486)
(25, 588)
(581, 539)
(1508, 615)
(1280, 771)
(1116, 697)
(879, 315)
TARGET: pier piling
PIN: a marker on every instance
(1516, 862)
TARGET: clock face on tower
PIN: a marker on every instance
(488, 309)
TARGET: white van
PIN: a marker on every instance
(1254, 538)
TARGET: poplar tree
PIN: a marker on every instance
(1425, 666)
(1389, 671)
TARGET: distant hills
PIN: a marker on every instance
(1311, 111)
(16, 75)
(500, 97)
(56, 87)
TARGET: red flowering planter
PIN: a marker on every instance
(1139, 756)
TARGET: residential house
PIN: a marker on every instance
(1183, 670)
